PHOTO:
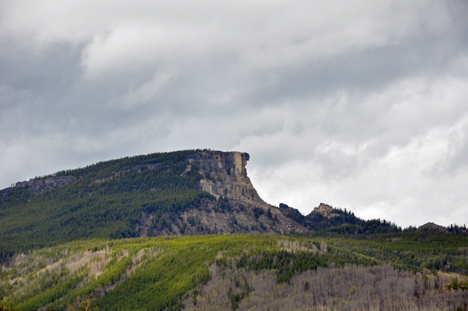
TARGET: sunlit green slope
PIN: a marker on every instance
(169, 272)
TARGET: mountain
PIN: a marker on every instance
(187, 230)
(188, 192)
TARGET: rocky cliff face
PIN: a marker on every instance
(225, 175)
(238, 209)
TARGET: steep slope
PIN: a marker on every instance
(238, 207)
(178, 193)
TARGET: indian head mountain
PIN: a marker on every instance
(194, 192)
(188, 230)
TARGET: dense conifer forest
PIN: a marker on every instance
(106, 201)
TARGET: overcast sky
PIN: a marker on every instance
(360, 104)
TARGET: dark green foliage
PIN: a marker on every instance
(258, 212)
(347, 223)
(294, 214)
(287, 263)
(106, 168)
(343, 221)
(457, 285)
(454, 228)
(106, 201)
(407, 250)
(363, 227)
(262, 226)
(237, 297)
(318, 221)
(224, 205)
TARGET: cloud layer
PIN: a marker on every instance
(359, 104)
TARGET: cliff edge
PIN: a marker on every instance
(225, 175)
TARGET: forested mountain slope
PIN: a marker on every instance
(179, 193)
(191, 192)
(104, 200)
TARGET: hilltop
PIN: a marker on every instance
(188, 192)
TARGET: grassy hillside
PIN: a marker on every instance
(170, 272)
(106, 201)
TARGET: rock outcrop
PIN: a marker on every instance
(225, 175)
(325, 210)
(432, 226)
(238, 207)
(38, 185)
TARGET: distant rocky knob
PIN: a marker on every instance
(38, 186)
(432, 226)
(325, 210)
